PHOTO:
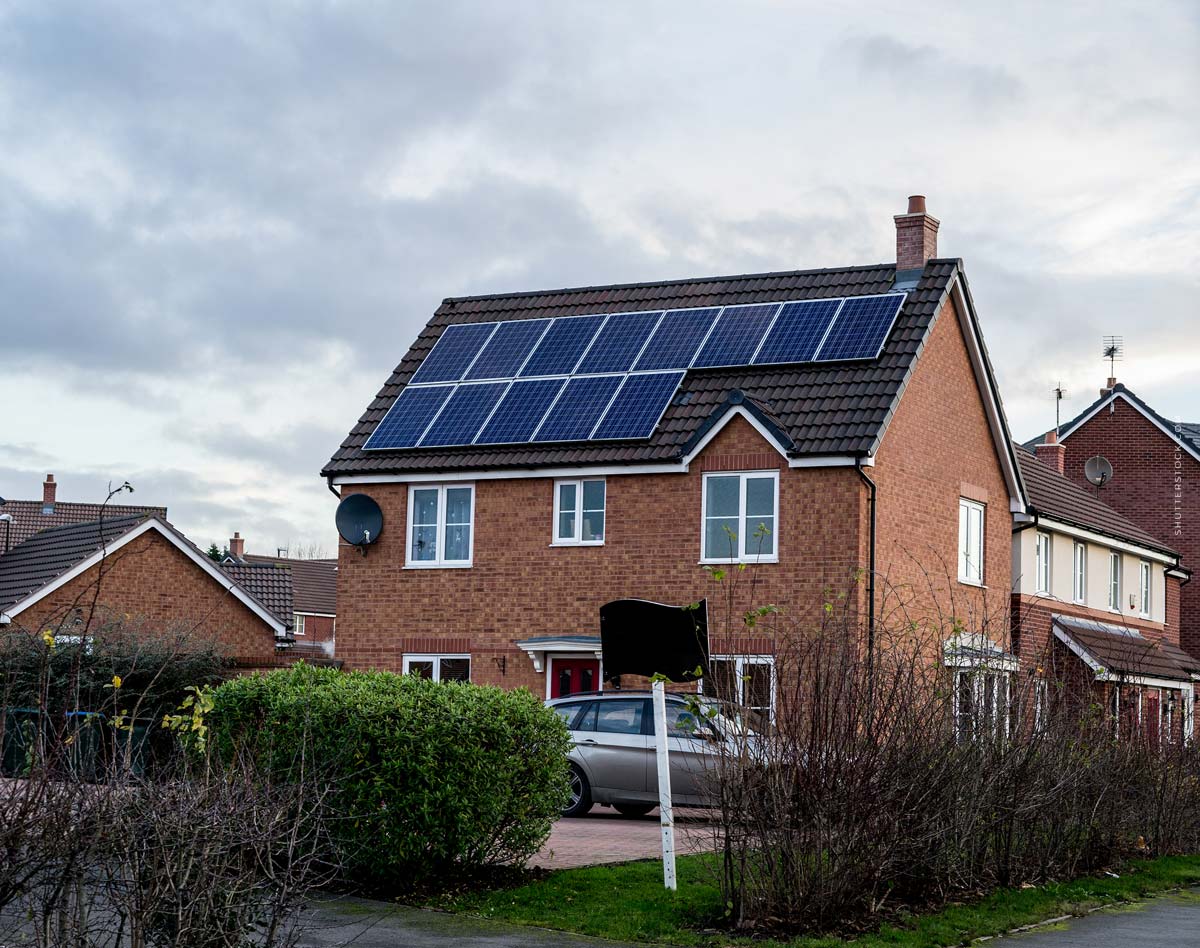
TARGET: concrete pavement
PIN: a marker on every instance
(604, 836)
(1172, 921)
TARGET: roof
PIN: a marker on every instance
(269, 583)
(314, 583)
(29, 518)
(50, 557)
(1187, 433)
(1058, 497)
(1117, 651)
(825, 409)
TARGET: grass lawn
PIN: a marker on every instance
(627, 902)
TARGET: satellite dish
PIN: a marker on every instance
(1098, 471)
(359, 520)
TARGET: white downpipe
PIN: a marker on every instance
(666, 813)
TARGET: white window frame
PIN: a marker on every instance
(739, 675)
(436, 660)
(744, 536)
(1145, 578)
(998, 715)
(577, 540)
(1114, 580)
(965, 545)
(1079, 572)
(440, 562)
(1043, 560)
(1041, 701)
(297, 623)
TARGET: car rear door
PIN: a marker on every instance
(691, 756)
(609, 738)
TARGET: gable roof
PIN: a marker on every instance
(832, 410)
(270, 583)
(1188, 435)
(29, 516)
(53, 557)
(314, 582)
(1056, 496)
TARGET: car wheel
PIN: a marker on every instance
(581, 794)
(633, 810)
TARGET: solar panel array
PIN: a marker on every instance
(609, 377)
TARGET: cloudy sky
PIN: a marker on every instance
(222, 224)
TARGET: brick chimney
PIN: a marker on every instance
(916, 235)
(1052, 452)
(237, 546)
(49, 490)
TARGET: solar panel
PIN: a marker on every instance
(520, 410)
(578, 408)
(676, 339)
(453, 352)
(736, 336)
(619, 342)
(861, 326)
(640, 403)
(559, 351)
(508, 349)
(797, 332)
(409, 416)
(465, 412)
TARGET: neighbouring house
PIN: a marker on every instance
(77, 577)
(536, 455)
(1096, 611)
(31, 516)
(1155, 481)
(310, 586)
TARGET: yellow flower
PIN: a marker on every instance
(48, 638)
(116, 682)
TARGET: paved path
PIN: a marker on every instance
(1172, 921)
(606, 836)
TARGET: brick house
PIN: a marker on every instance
(791, 439)
(145, 570)
(30, 516)
(1156, 477)
(1095, 607)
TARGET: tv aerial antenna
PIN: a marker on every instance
(1114, 348)
(1059, 394)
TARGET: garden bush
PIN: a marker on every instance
(431, 780)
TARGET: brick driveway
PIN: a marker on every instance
(606, 836)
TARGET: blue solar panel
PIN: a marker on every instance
(736, 336)
(464, 414)
(560, 349)
(578, 409)
(517, 416)
(508, 349)
(797, 332)
(619, 342)
(453, 352)
(861, 326)
(676, 339)
(638, 406)
(408, 417)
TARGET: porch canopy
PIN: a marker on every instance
(1114, 653)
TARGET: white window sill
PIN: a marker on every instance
(972, 582)
(741, 562)
(577, 543)
(437, 565)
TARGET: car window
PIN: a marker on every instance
(681, 721)
(569, 712)
(620, 717)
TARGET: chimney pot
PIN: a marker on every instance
(916, 204)
(916, 235)
(237, 546)
(49, 490)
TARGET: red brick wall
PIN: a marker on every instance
(1145, 467)
(521, 587)
(149, 579)
(318, 628)
(937, 449)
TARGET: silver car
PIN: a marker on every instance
(613, 762)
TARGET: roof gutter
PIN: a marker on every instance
(871, 486)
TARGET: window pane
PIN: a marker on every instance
(760, 496)
(758, 684)
(566, 524)
(620, 717)
(760, 536)
(721, 681)
(593, 525)
(424, 545)
(587, 720)
(681, 721)
(586, 682)
(566, 498)
(422, 669)
(425, 506)
(593, 495)
(458, 543)
(456, 669)
(567, 712)
(723, 496)
(458, 504)
(719, 544)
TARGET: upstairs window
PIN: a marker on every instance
(1114, 581)
(440, 525)
(970, 542)
(739, 518)
(1144, 590)
(1043, 563)
(579, 512)
(1079, 573)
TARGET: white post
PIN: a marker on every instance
(666, 813)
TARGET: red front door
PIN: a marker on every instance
(569, 676)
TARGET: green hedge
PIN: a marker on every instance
(431, 779)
